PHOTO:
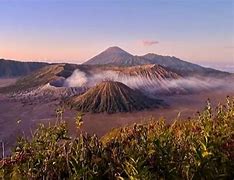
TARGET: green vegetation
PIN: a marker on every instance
(201, 148)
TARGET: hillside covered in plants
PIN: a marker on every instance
(198, 148)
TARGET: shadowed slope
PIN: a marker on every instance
(10, 68)
(110, 96)
(183, 68)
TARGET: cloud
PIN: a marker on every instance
(149, 42)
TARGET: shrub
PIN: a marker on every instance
(199, 148)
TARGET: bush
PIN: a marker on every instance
(200, 148)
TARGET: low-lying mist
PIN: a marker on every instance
(147, 84)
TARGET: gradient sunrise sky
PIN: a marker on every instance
(200, 31)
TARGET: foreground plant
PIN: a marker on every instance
(200, 148)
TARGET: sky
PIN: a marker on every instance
(199, 31)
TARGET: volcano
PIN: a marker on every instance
(117, 57)
(111, 97)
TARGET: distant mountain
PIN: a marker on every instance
(181, 67)
(116, 56)
(10, 68)
(111, 97)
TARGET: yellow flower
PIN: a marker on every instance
(206, 153)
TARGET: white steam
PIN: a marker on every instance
(147, 84)
(77, 79)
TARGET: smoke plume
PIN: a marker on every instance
(147, 84)
(77, 79)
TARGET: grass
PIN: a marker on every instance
(200, 148)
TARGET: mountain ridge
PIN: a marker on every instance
(182, 67)
(118, 57)
(13, 68)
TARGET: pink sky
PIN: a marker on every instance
(199, 31)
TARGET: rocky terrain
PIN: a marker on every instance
(111, 97)
(46, 93)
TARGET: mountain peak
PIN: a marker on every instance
(116, 49)
(116, 56)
